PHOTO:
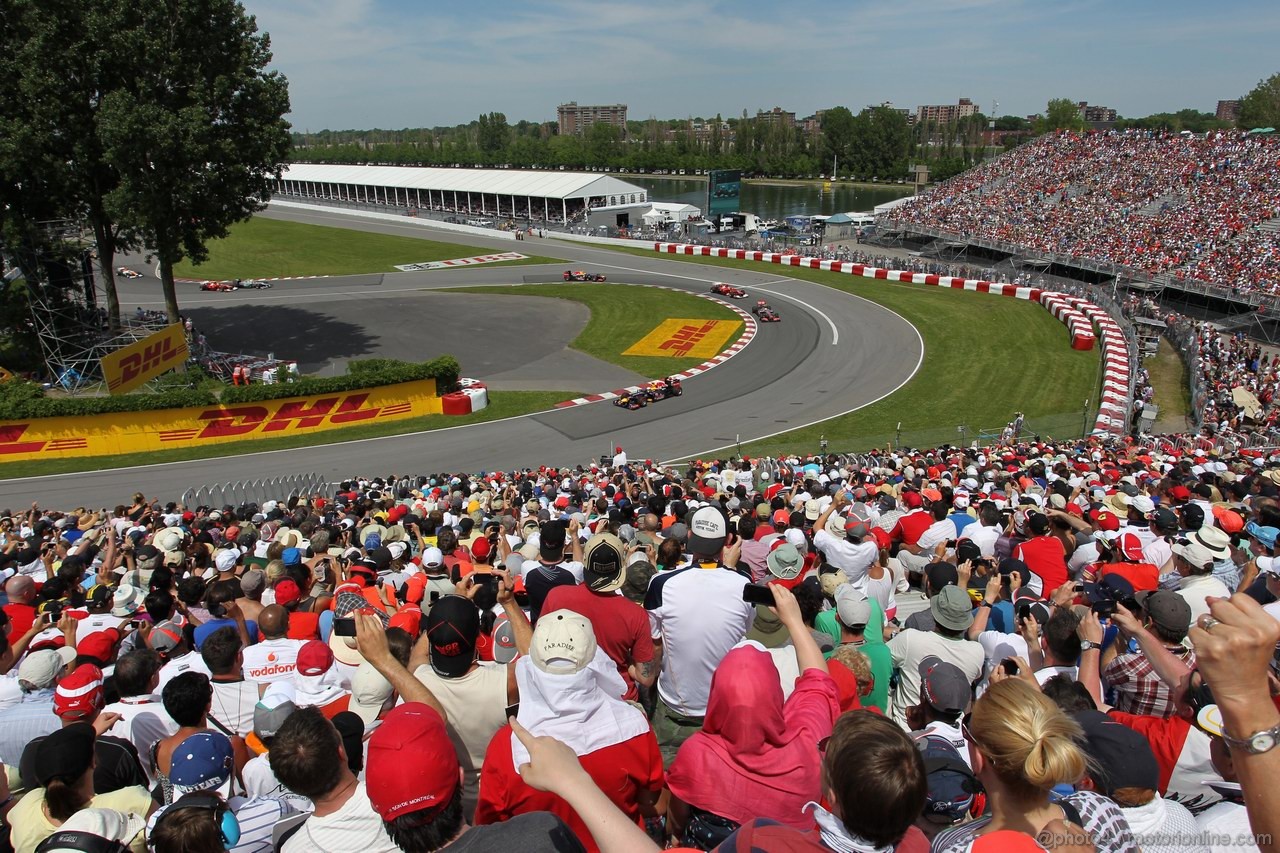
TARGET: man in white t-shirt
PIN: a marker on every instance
(168, 641)
(143, 719)
(855, 553)
(259, 780)
(274, 657)
(696, 615)
(986, 531)
(619, 457)
(952, 616)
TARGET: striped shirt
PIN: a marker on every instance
(1101, 817)
(24, 722)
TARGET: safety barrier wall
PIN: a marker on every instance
(166, 429)
(1079, 315)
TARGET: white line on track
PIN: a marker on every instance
(835, 333)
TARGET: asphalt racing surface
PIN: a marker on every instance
(832, 353)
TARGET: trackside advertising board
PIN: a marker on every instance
(128, 368)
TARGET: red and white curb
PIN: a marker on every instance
(278, 278)
(748, 333)
(1079, 315)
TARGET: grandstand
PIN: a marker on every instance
(1197, 213)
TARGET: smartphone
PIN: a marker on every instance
(1105, 609)
(1009, 667)
(344, 627)
(755, 594)
(1024, 611)
(484, 578)
(434, 596)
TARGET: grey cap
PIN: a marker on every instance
(678, 531)
(252, 581)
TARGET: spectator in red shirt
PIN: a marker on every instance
(1125, 551)
(570, 690)
(21, 591)
(916, 521)
(1044, 555)
(621, 626)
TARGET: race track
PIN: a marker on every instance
(833, 353)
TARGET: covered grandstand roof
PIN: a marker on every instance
(563, 185)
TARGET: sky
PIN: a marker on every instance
(358, 64)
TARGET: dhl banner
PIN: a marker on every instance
(129, 367)
(165, 429)
(685, 338)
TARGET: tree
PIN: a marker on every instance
(199, 134)
(837, 136)
(1261, 107)
(1012, 123)
(1060, 114)
(493, 133)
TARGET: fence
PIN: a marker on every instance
(256, 491)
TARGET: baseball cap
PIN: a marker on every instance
(79, 694)
(781, 516)
(369, 692)
(551, 540)
(1143, 504)
(166, 636)
(602, 563)
(852, 606)
(951, 782)
(202, 762)
(287, 592)
(397, 787)
(453, 626)
(1119, 756)
(941, 575)
(66, 754)
(433, 557)
(227, 559)
(1166, 608)
(252, 581)
(812, 509)
(639, 573)
(943, 685)
(785, 562)
(504, 641)
(855, 529)
(1165, 519)
(1109, 588)
(952, 608)
(270, 713)
(40, 669)
(1265, 535)
(100, 645)
(708, 530)
(1129, 546)
(106, 824)
(1192, 516)
(563, 643)
(314, 658)
(912, 500)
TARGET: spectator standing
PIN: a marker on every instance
(1136, 688)
(952, 617)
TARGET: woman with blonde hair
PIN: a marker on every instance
(1022, 745)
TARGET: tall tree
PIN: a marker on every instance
(1060, 114)
(837, 136)
(199, 134)
(1261, 107)
(494, 133)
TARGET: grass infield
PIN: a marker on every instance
(623, 314)
(272, 248)
(985, 358)
(502, 404)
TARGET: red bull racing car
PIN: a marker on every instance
(722, 289)
(658, 389)
(765, 314)
(579, 275)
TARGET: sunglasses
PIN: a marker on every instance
(964, 729)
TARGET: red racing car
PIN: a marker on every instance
(722, 289)
(765, 314)
(579, 275)
(220, 286)
(658, 389)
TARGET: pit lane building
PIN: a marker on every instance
(493, 193)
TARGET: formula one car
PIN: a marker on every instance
(722, 289)
(252, 283)
(765, 314)
(579, 275)
(125, 272)
(658, 389)
(220, 286)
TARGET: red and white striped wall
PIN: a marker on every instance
(1078, 315)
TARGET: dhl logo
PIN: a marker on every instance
(11, 441)
(684, 338)
(150, 361)
(295, 415)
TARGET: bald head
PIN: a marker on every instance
(20, 589)
(273, 621)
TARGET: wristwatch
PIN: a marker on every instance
(1085, 645)
(1256, 743)
(985, 603)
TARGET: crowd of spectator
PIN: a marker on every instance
(1064, 645)
(1146, 200)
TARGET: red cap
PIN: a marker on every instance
(314, 658)
(188, 516)
(409, 619)
(1106, 521)
(1180, 493)
(932, 494)
(781, 517)
(100, 645)
(480, 548)
(1229, 520)
(1131, 546)
(397, 787)
(912, 500)
(79, 694)
(287, 592)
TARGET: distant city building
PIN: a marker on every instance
(888, 105)
(946, 113)
(574, 119)
(777, 115)
(1095, 114)
(1228, 111)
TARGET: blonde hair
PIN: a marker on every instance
(274, 571)
(856, 661)
(1028, 739)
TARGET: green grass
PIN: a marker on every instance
(985, 358)
(621, 315)
(502, 404)
(1171, 385)
(270, 248)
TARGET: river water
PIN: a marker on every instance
(775, 201)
